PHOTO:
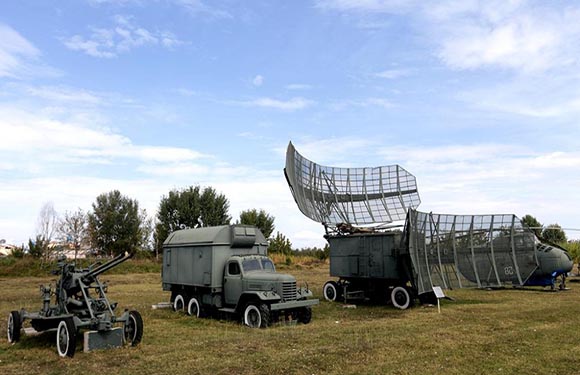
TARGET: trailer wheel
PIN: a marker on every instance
(194, 308)
(178, 303)
(14, 326)
(330, 291)
(66, 338)
(257, 316)
(400, 297)
(133, 328)
(305, 315)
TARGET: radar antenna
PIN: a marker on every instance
(331, 195)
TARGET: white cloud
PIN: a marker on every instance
(258, 80)
(364, 103)
(393, 73)
(541, 96)
(344, 150)
(64, 94)
(293, 104)
(374, 6)
(36, 140)
(200, 7)
(121, 38)
(16, 53)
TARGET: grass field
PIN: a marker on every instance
(482, 332)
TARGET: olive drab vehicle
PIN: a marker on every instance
(81, 303)
(225, 269)
(375, 258)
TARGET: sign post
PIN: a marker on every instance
(439, 294)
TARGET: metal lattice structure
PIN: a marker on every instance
(456, 251)
(332, 195)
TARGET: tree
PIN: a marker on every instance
(554, 234)
(259, 219)
(280, 244)
(532, 222)
(46, 226)
(188, 208)
(73, 228)
(115, 225)
(37, 247)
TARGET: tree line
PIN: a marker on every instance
(116, 223)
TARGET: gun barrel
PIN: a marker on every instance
(107, 266)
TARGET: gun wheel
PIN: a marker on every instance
(133, 328)
(14, 326)
(66, 338)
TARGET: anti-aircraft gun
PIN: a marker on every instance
(81, 303)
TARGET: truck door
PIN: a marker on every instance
(232, 282)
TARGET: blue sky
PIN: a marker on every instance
(479, 100)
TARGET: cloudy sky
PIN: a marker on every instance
(479, 100)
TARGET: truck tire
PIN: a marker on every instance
(331, 291)
(178, 303)
(194, 307)
(66, 338)
(257, 316)
(305, 315)
(14, 326)
(400, 297)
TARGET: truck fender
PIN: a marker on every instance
(263, 296)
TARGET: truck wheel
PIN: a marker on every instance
(178, 304)
(14, 326)
(66, 338)
(257, 316)
(305, 315)
(330, 291)
(400, 297)
(133, 328)
(194, 308)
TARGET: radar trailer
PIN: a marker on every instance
(374, 258)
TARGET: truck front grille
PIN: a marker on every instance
(289, 291)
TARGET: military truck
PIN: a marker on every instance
(225, 269)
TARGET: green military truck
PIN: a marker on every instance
(225, 269)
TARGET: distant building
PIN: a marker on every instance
(6, 249)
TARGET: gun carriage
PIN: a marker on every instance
(81, 303)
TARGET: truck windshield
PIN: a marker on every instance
(267, 265)
(250, 265)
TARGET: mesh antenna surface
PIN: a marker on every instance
(457, 251)
(332, 195)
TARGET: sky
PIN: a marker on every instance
(479, 100)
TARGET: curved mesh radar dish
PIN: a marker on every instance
(456, 251)
(331, 195)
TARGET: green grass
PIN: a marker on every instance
(482, 332)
